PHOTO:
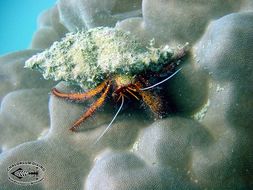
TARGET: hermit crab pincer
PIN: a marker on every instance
(108, 60)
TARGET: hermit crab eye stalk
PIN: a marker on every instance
(107, 59)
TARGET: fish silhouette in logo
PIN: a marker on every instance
(20, 173)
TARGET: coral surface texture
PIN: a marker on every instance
(204, 143)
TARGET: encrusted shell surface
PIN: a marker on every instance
(88, 57)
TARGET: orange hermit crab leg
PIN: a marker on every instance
(80, 96)
(154, 102)
(92, 109)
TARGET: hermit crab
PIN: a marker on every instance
(108, 61)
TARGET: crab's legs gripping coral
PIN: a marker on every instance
(85, 96)
(99, 102)
(154, 102)
(80, 96)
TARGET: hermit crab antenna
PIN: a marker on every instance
(110, 124)
(147, 88)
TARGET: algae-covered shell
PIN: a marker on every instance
(88, 57)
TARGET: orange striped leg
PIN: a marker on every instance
(92, 109)
(154, 102)
(80, 96)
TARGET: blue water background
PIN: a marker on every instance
(18, 22)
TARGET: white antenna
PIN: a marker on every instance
(161, 81)
(110, 124)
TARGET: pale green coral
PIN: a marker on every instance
(87, 58)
